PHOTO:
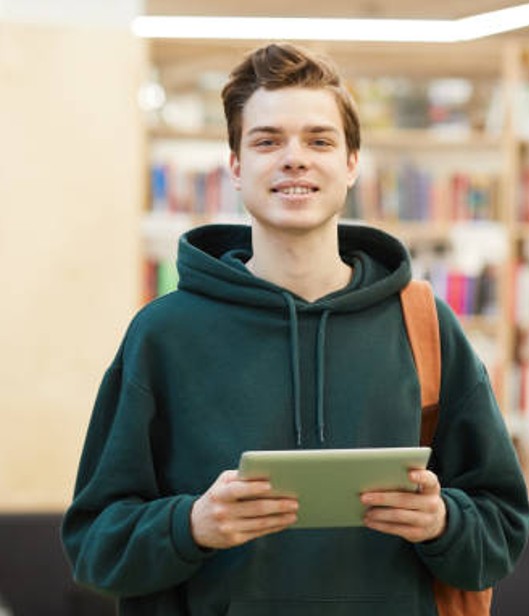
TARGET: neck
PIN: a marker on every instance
(307, 264)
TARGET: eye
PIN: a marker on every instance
(322, 143)
(264, 140)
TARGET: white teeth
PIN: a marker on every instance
(295, 190)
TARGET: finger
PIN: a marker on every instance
(428, 522)
(414, 534)
(398, 500)
(264, 507)
(248, 515)
(229, 475)
(427, 482)
(390, 515)
(268, 531)
(237, 489)
(428, 486)
(236, 532)
(233, 475)
(263, 523)
(245, 537)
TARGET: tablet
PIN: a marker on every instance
(328, 482)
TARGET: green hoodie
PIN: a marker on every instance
(230, 362)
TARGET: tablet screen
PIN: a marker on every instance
(328, 482)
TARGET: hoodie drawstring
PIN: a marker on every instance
(294, 363)
(295, 367)
(320, 376)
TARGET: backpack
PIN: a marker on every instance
(422, 326)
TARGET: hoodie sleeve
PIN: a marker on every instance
(482, 483)
(120, 535)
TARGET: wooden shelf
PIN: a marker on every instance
(425, 139)
(391, 138)
(160, 231)
(489, 325)
(522, 231)
(163, 225)
(217, 133)
(411, 231)
(478, 59)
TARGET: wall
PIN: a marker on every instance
(71, 190)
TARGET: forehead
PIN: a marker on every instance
(291, 108)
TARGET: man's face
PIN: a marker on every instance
(293, 169)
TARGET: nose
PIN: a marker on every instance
(295, 156)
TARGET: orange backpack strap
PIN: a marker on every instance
(452, 601)
(422, 325)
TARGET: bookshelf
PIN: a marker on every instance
(444, 167)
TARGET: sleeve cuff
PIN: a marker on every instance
(182, 538)
(439, 546)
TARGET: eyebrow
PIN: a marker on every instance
(264, 129)
(322, 129)
(274, 130)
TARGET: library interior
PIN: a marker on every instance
(113, 144)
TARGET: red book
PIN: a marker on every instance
(524, 389)
(455, 292)
(149, 281)
(459, 196)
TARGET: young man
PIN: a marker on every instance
(287, 335)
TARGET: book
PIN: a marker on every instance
(523, 207)
(409, 191)
(159, 278)
(204, 192)
(521, 294)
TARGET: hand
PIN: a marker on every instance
(234, 511)
(415, 516)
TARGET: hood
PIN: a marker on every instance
(211, 263)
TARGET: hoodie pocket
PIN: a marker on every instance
(366, 605)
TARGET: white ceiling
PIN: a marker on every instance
(72, 12)
(434, 9)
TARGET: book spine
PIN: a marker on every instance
(521, 293)
(149, 281)
(159, 187)
(209, 192)
(524, 195)
(409, 192)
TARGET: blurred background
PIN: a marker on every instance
(112, 143)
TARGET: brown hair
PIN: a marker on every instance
(284, 65)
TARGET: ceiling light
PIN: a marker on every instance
(329, 29)
(495, 22)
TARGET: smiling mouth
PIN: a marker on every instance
(295, 190)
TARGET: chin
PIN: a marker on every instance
(296, 223)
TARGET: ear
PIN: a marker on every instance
(235, 167)
(352, 168)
